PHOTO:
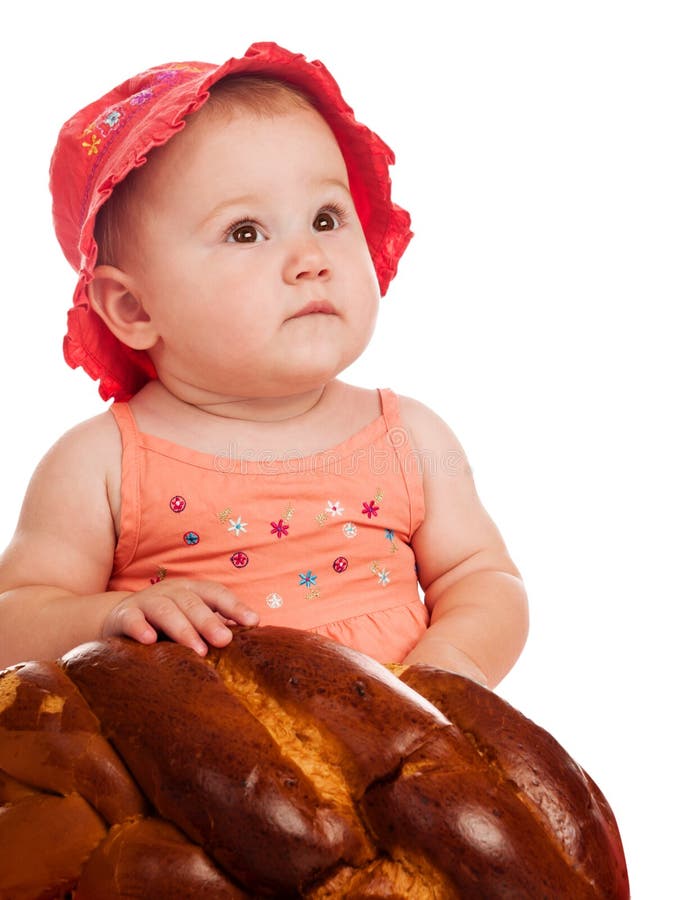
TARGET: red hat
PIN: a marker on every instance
(103, 142)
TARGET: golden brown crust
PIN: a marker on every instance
(446, 806)
(374, 719)
(232, 781)
(45, 841)
(304, 769)
(573, 814)
(150, 858)
(12, 790)
(50, 739)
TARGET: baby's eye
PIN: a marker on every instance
(327, 220)
(244, 233)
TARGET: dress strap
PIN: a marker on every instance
(130, 508)
(408, 457)
(126, 422)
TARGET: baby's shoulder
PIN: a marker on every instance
(89, 454)
(95, 439)
(425, 427)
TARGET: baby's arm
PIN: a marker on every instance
(473, 591)
(54, 574)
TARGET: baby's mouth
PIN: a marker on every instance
(316, 307)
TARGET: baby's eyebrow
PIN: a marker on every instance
(333, 182)
(248, 200)
(244, 200)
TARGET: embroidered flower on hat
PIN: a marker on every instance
(141, 97)
(113, 118)
(92, 145)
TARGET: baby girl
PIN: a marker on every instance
(233, 230)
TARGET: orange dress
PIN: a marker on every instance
(320, 542)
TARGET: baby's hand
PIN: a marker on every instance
(185, 610)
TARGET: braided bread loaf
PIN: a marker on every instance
(285, 765)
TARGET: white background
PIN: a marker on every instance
(541, 149)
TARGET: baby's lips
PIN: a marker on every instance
(322, 307)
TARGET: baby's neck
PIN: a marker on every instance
(264, 409)
(243, 409)
(334, 414)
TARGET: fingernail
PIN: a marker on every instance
(221, 634)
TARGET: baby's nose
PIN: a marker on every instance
(306, 260)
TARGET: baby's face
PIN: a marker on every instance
(249, 257)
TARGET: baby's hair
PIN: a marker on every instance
(251, 93)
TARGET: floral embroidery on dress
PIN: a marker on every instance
(224, 515)
(332, 510)
(237, 526)
(307, 579)
(350, 530)
(340, 564)
(370, 509)
(383, 575)
(274, 601)
(280, 528)
(240, 559)
(177, 504)
(390, 536)
(161, 575)
(191, 538)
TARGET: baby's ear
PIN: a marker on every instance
(113, 296)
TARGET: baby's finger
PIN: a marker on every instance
(130, 621)
(178, 614)
(224, 601)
